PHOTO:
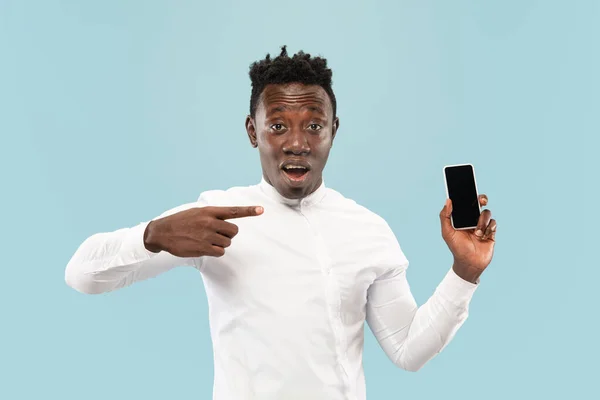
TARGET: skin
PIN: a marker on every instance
(472, 249)
(196, 232)
(295, 122)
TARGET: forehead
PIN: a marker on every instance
(294, 96)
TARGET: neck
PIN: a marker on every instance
(313, 189)
(314, 196)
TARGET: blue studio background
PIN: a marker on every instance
(114, 111)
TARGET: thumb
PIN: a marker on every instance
(445, 214)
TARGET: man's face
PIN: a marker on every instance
(293, 129)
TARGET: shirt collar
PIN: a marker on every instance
(309, 200)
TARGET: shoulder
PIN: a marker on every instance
(373, 226)
(356, 210)
(238, 196)
(235, 195)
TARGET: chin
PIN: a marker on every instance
(296, 193)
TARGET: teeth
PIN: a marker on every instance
(294, 167)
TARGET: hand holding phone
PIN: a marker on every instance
(468, 231)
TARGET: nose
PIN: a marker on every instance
(297, 143)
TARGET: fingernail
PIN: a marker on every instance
(478, 232)
(259, 210)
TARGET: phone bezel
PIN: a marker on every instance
(448, 194)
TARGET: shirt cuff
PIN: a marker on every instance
(132, 247)
(457, 290)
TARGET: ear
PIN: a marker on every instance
(251, 131)
(336, 125)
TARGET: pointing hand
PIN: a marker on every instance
(196, 232)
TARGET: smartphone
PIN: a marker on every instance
(461, 188)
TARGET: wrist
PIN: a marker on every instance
(151, 236)
(467, 272)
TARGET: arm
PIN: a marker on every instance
(108, 261)
(412, 335)
(184, 235)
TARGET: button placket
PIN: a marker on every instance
(332, 293)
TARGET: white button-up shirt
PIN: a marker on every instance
(288, 300)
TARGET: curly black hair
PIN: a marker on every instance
(300, 68)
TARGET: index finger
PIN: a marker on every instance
(236, 212)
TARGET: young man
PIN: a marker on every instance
(292, 269)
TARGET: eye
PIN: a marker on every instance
(314, 127)
(277, 127)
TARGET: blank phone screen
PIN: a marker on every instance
(463, 193)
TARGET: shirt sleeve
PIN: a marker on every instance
(108, 261)
(411, 335)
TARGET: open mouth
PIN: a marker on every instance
(296, 173)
